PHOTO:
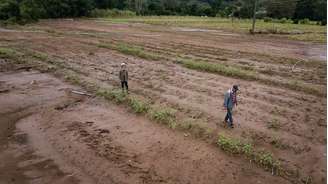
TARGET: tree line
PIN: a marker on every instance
(25, 10)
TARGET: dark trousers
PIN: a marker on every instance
(228, 117)
(124, 84)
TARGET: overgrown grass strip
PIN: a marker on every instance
(130, 50)
(261, 158)
(219, 69)
(8, 53)
(164, 115)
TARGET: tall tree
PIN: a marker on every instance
(312, 9)
(281, 8)
(139, 6)
(9, 9)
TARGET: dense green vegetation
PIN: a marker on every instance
(27, 10)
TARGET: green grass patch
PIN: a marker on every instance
(315, 37)
(232, 146)
(74, 79)
(197, 129)
(131, 50)
(136, 51)
(267, 161)
(219, 69)
(164, 115)
(40, 56)
(117, 96)
(106, 45)
(138, 106)
(262, 158)
(7, 53)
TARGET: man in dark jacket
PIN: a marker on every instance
(230, 100)
(124, 77)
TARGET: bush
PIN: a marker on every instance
(111, 13)
(116, 95)
(262, 158)
(266, 160)
(24, 11)
(247, 149)
(74, 79)
(235, 146)
(323, 22)
(8, 9)
(304, 21)
(138, 106)
(267, 19)
(7, 52)
(163, 115)
(295, 21)
(229, 145)
(30, 10)
(283, 20)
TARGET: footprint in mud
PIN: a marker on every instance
(103, 131)
(68, 104)
(4, 88)
(75, 125)
(84, 133)
(20, 138)
(89, 123)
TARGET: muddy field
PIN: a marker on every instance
(49, 134)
